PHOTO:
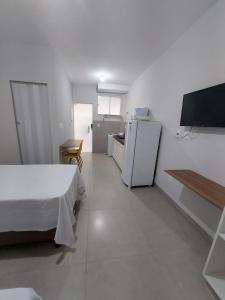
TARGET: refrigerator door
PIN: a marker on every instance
(129, 151)
(147, 143)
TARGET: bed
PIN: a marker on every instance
(19, 293)
(37, 201)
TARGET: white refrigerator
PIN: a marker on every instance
(140, 153)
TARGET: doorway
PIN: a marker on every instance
(83, 117)
(31, 108)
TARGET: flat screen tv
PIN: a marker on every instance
(204, 107)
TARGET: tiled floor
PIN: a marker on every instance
(131, 245)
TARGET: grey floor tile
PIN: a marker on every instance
(114, 198)
(51, 283)
(131, 278)
(114, 233)
(183, 274)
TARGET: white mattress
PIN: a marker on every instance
(19, 294)
(40, 197)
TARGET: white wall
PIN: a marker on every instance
(86, 93)
(25, 62)
(195, 61)
(63, 111)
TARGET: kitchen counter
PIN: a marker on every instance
(119, 139)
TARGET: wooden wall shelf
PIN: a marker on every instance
(214, 269)
(207, 189)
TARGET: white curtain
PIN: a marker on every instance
(33, 123)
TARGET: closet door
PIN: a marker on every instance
(32, 120)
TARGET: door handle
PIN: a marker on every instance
(18, 123)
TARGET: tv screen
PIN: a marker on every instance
(204, 108)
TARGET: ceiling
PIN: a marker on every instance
(120, 38)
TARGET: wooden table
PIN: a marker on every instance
(68, 145)
(71, 143)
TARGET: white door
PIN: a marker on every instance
(83, 116)
(31, 109)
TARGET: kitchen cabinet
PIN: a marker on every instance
(117, 152)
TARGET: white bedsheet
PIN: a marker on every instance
(40, 197)
(19, 294)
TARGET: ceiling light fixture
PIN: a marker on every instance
(102, 75)
(102, 78)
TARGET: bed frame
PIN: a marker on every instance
(24, 237)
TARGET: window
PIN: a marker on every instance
(109, 105)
